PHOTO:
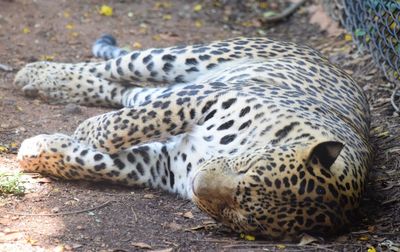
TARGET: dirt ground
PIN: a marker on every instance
(57, 215)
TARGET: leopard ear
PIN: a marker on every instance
(325, 152)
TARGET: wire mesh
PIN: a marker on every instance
(375, 25)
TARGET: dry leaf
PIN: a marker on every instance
(169, 37)
(106, 10)
(188, 215)
(198, 23)
(55, 210)
(307, 239)
(69, 26)
(30, 240)
(26, 30)
(59, 248)
(319, 17)
(141, 245)
(174, 226)
(137, 45)
(167, 17)
(162, 250)
(372, 229)
(363, 238)
(43, 180)
(197, 8)
(149, 196)
(247, 237)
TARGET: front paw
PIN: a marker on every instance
(45, 80)
(31, 77)
(42, 152)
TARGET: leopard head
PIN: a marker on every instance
(274, 191)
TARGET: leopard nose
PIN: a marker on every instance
(213, 185)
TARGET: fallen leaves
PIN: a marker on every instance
(248, 237)
(174, 226)
(167, 17)
(149, 196)
(137, 45)
(163, 250)
(46, 57)
(69, 26)
(30, 240)
(188, 215)
(364, 238)
(197, 8)
(319, 17)
(26, 30)
(348, 37)
(307, 239)
(162, 5)
(141, 245)
(3, 148)
(280, 246)
(5, 68)
(106, 10)
(198, 23)
(209, 224)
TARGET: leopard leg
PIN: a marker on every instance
(153, 115)
(63, 156)
(104, 83)
(182, 64)
(68, 83)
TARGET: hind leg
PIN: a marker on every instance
(104, 83)
(68, 83)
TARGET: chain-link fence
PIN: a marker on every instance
(375, 25)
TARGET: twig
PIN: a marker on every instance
(6, 68)
(214, 240)
(393, 97)
(134, 214)
(58, 214)
(285, 13)
(183, 204)
(271, 245)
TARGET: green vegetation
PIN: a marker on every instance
(11, 184)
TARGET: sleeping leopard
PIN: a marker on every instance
(266, 137)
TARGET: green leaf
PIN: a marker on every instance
(268, 14)
(359, 32)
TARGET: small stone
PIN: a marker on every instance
(6, 68)
(149, 196)
(188, 215)
(72, 109)
(9, 102)
(55, 210)
(76, 246)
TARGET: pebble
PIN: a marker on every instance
(55, 210)
(6, 68)
(72, 109)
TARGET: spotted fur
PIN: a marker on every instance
(266, 137)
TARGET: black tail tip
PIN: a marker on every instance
(107, 39)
